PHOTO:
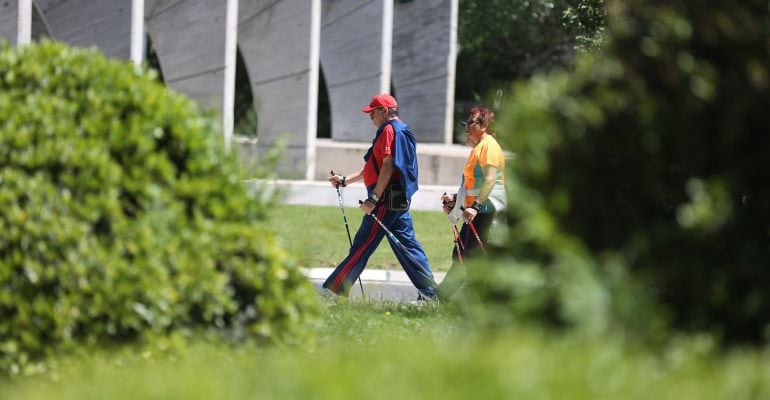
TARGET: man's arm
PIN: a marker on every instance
(386, 171)
(354, 177)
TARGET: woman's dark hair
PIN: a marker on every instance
(484, 117)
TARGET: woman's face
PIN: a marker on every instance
(473, 132)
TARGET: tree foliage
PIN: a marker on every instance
(643, 174)
(122, 217)
(506, 40)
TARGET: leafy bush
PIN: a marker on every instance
(122, 218)
(652, 159)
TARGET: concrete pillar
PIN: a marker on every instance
(356, 47)
(137, 32)
(105, 24)
(190, 39)
(424, 53)
(231, 52)
(279, 42)
(25, 22)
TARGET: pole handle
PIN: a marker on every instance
(337, 185)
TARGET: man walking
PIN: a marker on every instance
(391, 160)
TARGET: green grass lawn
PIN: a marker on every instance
(317, 235)
(398, 351)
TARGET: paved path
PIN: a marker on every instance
(378, 284)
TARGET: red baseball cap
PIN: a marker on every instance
(381, 100)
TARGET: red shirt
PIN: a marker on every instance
(382, 147)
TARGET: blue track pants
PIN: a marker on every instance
(410, 254)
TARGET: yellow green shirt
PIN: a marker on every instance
(487, 153)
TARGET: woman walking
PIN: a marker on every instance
(480, 197)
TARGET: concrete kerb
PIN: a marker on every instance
(369, 275)
(378, 284)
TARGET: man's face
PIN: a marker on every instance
(378, 116)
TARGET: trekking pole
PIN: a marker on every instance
(347, 228)
(475, 233)
(457, 243)
(392, 237)
(456, 235)
(342, 208)
(390, 234)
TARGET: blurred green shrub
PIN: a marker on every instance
(503, 40)
(648, 169)
(122, 218)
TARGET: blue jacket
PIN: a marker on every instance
(404, 155)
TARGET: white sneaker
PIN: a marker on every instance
(327, 294)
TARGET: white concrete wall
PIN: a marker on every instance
(427, 198)
(9, 19)
(356, 58)
(424, 53)
(279, 42)
(189, 38)
(439, 164)
(105, 24)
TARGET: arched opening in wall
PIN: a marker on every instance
(324, 121)
(40, 28)
(244, 112)
(151, 58)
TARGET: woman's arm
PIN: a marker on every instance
(490, 176)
